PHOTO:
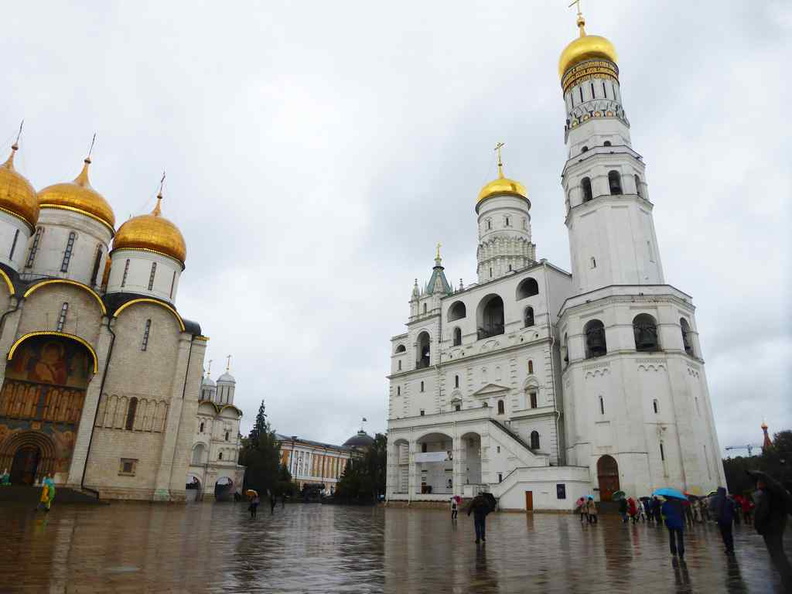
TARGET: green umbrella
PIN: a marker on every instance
(618, 495)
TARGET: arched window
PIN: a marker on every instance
(423, 351)
(585, 186)
(528, 317)
(457, 311)
(13, 245)
(614, 181)
(530, 367)
(638, 188)
(67, 253)
(584, 149)
(198, 454)
(152, 275)
(457, 337)
(62, 317)
(595, 339)
(602, 405)
(220, 456)
(200, 430)
(535, 440)
(686, 342)
(645, 331)
(607, 142)
(130, 418)
(126, 273)
(34, 248)
(534, 400)
(97, 262)
(456, 381)
(490, 317)
(527, 288)
(401, 348)
(501, 407)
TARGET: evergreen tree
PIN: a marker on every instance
(363, 479)
(261, 456)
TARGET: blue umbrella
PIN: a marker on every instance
(669, 492)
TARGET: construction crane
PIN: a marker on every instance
(750, 447)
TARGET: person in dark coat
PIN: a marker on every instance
(273, 503)
(674, 515)
(723, 510)
(773, 503)
(623, 509)
(480, 507)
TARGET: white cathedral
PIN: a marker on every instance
(541, 386)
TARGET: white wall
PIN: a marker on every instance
(166, 278)
(12, 227)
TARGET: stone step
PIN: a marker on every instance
(31, 495)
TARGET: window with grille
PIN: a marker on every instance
(126, 273)
(146, 332)
(67, 253)
(173, 284)
(97, 263)
(13, 245)
(34, 248)
(62, 317)
(152, 275)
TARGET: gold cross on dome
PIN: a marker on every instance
(439, 245)
(228, 363)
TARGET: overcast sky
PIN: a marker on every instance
(316, 151)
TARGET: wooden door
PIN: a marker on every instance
(608, 477)
(529, 501)
(23, 469)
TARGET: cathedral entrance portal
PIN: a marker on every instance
(23, 468)
(608, 477)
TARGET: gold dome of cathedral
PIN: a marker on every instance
(78, 196)
(152, 232)
(17, 196)
(585, 47)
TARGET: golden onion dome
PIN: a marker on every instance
(17, 196)
(152, 232)
(78, 196)
(585, 47)
(502, 186)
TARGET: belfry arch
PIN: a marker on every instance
(41, 401)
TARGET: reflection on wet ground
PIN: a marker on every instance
(315, 548)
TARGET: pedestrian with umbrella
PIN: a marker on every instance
(580, 507)
(255, 500)
(480, 506)
(773, 503)
(674, 516)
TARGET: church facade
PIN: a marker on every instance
(541, 386)
(101, 372)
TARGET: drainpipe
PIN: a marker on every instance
(96, 412)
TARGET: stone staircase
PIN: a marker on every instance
(24, 494)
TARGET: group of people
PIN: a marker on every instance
(587, 508)
(479, 507)
(255, 500)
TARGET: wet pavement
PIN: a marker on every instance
(319, 548)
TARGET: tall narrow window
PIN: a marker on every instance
(585, 185)
(655, 406)
(220, 456)
(130, 418)
(614, 182)
(126, 273)
(530, 367)
(62, 317)
(528, 317)
(662, 452)
(489, 224)
(456, 381)
(146, 332)
(227, 434)
(604, 90)
(67, 253)
(399, 366)
(638, 188)
(580, 90)
(457, 336)
(534, 400)
(593, 94)
(398, 390)
(152, 275)
(202, 427)
(34, 248)
(506, 221)
(424, 306)
(97, 263)
(13, 245)
(501, 407)
(422, 386)
(602, 405)
(535, 445)
(173, 284)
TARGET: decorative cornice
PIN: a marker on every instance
(82, 212)
(65, 281)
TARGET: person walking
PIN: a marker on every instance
(674, 516)
(657, 509)
(623, 510)
(773, 503)
(723, 510)
(273, 503)
(254, 503)
(454, 508)
(591, 510)
(581, 509)
(632, 510)
(480, 507)
(47, 494)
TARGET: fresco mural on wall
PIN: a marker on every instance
(40, 406)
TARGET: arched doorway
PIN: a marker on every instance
(192, 488)
(25, 464)
(608, 477)
(224, 489)
(41, 404)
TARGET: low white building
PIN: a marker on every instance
(541, 386)
(215, 472)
